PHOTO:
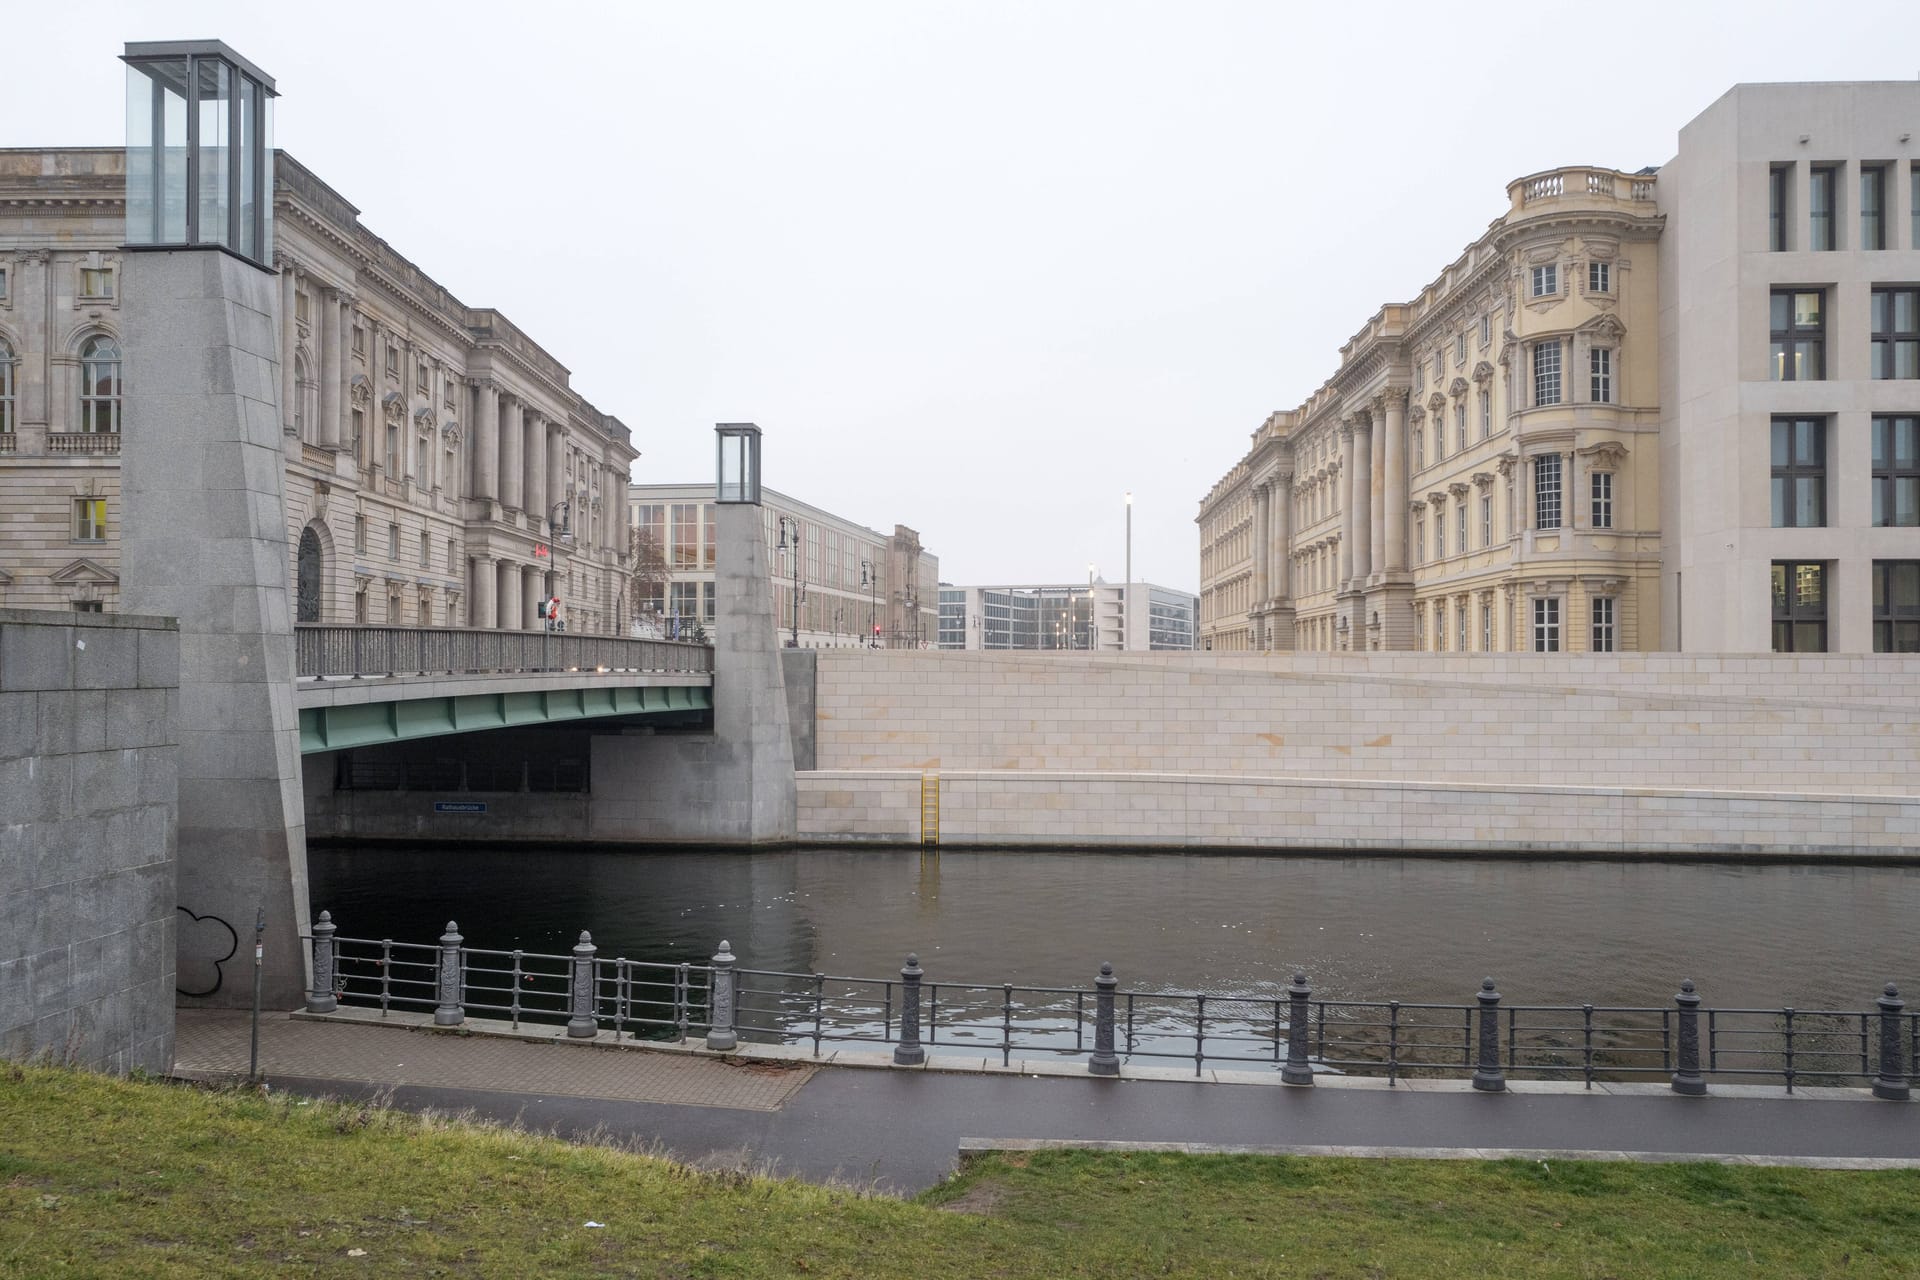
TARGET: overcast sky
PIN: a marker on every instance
(974, 268)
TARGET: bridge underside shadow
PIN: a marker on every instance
(535, 782)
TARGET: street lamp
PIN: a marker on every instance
(1126, 601)
(790, 543)
(1092, 643)
(870, 581)
(560, 521)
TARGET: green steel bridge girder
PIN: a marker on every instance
(364, 724)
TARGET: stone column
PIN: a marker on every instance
(1262, 549)
(482, 611)
(1344, 490)
(513, 439)
(327, 430)
(556, 469)
(1363, 486)
(1394, 480)
(289, 341)
(486, 444)
(1377, 491)
(537, 472)
(1281, 518)
(506, 594)
(531, 581)
(339, 426)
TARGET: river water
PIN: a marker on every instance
(1375, 928)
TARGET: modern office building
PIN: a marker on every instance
(1099, 616)
(855, 586)
(439, 469)
(1672, 408)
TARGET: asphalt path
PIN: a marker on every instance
(899, 1131)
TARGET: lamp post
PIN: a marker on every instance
(869, 580)
(1092, 636)
(790, 543)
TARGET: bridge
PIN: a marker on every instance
(360, 686)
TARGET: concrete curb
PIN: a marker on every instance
(973, 1148)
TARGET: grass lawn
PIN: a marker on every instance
(105, 1177)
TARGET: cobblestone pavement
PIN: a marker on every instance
(215, 1042)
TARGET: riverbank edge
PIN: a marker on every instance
(980, 1148)
(968, 1064)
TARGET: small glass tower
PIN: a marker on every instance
(739, 462)
(199, 149)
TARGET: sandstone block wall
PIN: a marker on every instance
(88, 796)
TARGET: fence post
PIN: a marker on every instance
(1891, 1083)
(321, 999)
(580, 1021)
(450, 1014)
(908, 1052)
(1688, 1079)
(720, 1034)
(1104, 1062)
(1487, 1076)
(1298, 1070)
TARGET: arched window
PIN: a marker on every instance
(100, 385)
(6, 389)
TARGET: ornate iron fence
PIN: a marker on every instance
(323, 650)
(1287, 1030)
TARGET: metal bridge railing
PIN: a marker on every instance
(324, 650)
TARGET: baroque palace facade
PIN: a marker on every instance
(1669, 409)
(439, 469)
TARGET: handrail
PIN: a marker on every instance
(331, 650)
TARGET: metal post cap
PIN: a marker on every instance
(452, 935)
(912, 969)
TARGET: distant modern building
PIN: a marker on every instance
(1676, 408)
(855, 586)
(1100, 616)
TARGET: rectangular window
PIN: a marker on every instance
(1419, 448)
(88, 606)
(1896, 333)
(1546, 491)
(96, 282)
(453, 554)
(1546, 280)
(1460, 627)
(1602, 499)
(359, 431)
(89, 519)
(1486, 519)
(3, 284)
(359, 339)
(712, 542)
(393, 542)
(393, 361)
(1896, 606)
(1546, 625)
(1486, 330)
(1460, 422)
(1599, 277)
(6, 389)
(360, 534)
(1821, 194)
(1439, 533)
(1440, 628)
(1600, 375)
(685, 520)
(420, 376)
(1460, 348)
(1419, 539)
(1896, 471)
(1439, 367)
(393, 450)
(1546, 373)
(1873, 206)
(1799, 473)
(1799, 607)
(1798, 320)
(1460, 526)
(1601, 607)
(426, 552)
(1779, 198)
(1486, 628)
(1486, 414)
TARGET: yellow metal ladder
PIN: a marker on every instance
(929, 808)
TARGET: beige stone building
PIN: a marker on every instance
(439, 469)
(1578, 437)
(856, 586)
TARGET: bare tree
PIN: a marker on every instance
(648, 577)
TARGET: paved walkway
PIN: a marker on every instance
(901, 1130)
